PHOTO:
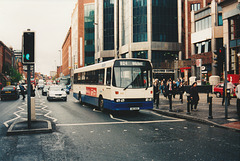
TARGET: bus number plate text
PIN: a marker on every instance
(134, 108)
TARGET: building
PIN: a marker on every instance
(6, 55)
(231, 34)
(145, 29)
(206, 36)
(67, 55)
(74, 38)
(86, 11)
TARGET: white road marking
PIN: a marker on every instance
(16, 114)
(46, 115)
(127, 122)
(111, 116)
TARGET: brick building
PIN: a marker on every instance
(67, 55)
(5, 62)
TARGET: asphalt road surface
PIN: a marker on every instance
(83, 133)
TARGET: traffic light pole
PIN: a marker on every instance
(29, 95)
(225, 83)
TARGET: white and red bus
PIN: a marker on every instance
(118, 84)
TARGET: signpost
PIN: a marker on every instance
(28, 59)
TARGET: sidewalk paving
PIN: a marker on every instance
(202, 112)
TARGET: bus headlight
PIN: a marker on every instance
(148, 99)
(119, 100)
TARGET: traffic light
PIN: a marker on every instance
(219, 58)
(28, 48)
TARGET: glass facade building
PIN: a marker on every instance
(89, 34)
(108, 19)
(140, 54)
(139, 20)
(164, 21)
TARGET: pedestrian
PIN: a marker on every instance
(156, 92)
(169, 91)
(174, 88)
(22, 91)
(237, 91)
(230, 90)
(181, 91)
(32, 90)
(194, 96)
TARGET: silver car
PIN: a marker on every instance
(56, 93)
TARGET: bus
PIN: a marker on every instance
(118, 84)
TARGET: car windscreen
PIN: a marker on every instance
(8, 89)
(55, 89)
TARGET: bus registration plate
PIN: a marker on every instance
(134, 108)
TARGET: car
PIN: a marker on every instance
(45, 90)
(218, 90)
(9, 92)
(56, 93)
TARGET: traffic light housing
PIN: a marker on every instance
(219, 58)
(28, 48)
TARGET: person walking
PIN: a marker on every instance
(230, 89)
(32, 90)
(169, 91)
(22, 88)
(194, 96)
(156, 92)
(181, 91)
(237, 91)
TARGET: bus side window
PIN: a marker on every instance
(108, 80)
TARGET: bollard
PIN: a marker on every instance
(33, 114)
(210, 108)
(188, 105)
(170, 102)
(207, 97)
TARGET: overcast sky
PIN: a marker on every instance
(50, 19)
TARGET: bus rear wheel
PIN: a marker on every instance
(100, 104)
(80, 98)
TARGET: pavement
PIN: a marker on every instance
(36, 126)
(201, 114)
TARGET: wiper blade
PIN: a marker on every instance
(127, 86)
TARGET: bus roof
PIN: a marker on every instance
(102, 65)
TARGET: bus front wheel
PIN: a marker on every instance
(100, 104)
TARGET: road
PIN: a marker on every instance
(83, 133)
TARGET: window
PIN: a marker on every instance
(89, 48)
(108, 79)
(195, 7)
(203, 47)
(139, 20)
(108, 24)
(140, 54)
(220, 21)
(164, 21)
(203, 24)
(90, 77)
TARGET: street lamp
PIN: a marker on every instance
(60, 70)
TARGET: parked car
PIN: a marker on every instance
(45, 90)
(218, 90)
(9, 92)
(56, 93)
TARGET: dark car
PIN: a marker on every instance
(9, 92)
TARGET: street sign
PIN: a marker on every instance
(198, 62)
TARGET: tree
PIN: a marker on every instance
(15, 75)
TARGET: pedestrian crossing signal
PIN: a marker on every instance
(28, 48)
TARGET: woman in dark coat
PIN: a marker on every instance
(194, 96)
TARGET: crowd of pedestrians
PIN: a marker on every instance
(169, 89)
